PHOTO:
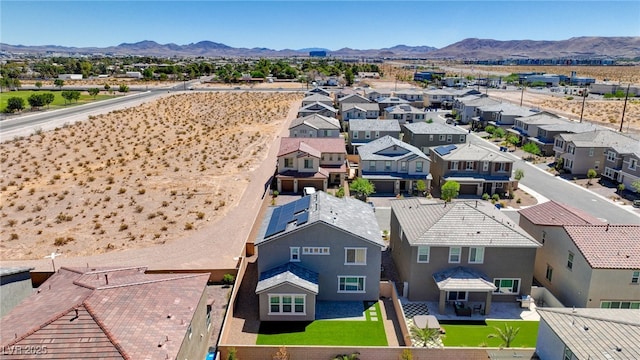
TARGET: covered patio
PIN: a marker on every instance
(455, 284)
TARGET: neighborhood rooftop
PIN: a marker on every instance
(371, 150)
(469, 152)
(552, 213)
(374, 125)
(313, 146)
(316, 121)
(599, 138)
(608, 246)
(434, 128)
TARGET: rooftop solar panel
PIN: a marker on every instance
(303, 218)
(444, 150)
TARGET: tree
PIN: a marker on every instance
(513, 140)
(506, 335)
(36, 101)
(107, 87)
(362, 187)
(15, 104)
(67, 95)
(499, 133)
(532, 149)
(39, 84)
(490, 129)
(518, 174)
(94, 92)
(123, 88)
(636, 185)
(59, 83)
(591, 174)
(48, 98)
(559, 164)
(9, 83)
(426, 335)
(421, 186)
(449, 190)
(348, 76)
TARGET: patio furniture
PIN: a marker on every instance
(477, 308)
(461, 310)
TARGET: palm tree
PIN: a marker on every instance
(507, 335)
(425, 335)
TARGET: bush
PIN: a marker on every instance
(495, 197)
(228, 279)
(485, 196)
(518, 201)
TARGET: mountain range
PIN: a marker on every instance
(472, 49)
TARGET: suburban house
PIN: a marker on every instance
(351, 111)
(364, 131)
(404, 113)
(414, 97)
(478, 170)
(318, 108)
(344, 92)
(352, 98)
(317, 248)
(112, 313)
(372, 94)
(316, 162)
(566, 333)
(315, 125)
(325, 99)
(622, 163)
(582, 261)
(460, 252)
(583, 151)
(501, 114)
(385, 102)
(15, 285)
(437, 98)
(317, 90)
(393, 166)
(465, 107)
(425, 135)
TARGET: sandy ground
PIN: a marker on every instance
(137, 177)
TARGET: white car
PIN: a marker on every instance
(308, 190)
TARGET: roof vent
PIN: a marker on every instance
(618, 349)
(586, 328)
(607, 229)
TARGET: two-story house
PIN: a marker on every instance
(327, 100)
(404, 114)
(425, 135)
(460, 252)
(313, 162)
(465, 107)
(393, 166)
(372, 94)
(317, 248)
(315, 125)
(581, 152)
(414, 97)
(318, 108)
(364, 131)
(385, 102)
(353, 111)
(622, 164)
(528, 129)
(478, 170)
(317, 90)
(501, 114)
(583, 261)
(434, 98)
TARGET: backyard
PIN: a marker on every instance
(475, 333)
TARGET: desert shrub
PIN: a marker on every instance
(485, 196)
(123, 227)
(228, 279)
(188, 226)
(495, 197)
(61, 241)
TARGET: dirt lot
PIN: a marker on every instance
(136, 177)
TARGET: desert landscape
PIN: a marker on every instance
(136, 177)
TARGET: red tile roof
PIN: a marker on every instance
(608, 246)
(322, 145)
(76, 314)
(556, 214)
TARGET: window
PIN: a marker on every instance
(462, 138)
(499, 185)
(288, 162)
(287, 304)
(367, 134)
(403, 166)
(449, 138)
(485, 166)
(419, 166)
(591, 152)
(568, 163)
(354, 135)
(632, 164)
(308, 163)
(454, 165)
(635, 278)
(549, 273)
(325, 133)
(476, 255)
(294, 254)
(469, 165)
(571, 149)
(457, 296)
(454, 254)
(501, 167)
(377, 134)
(330, 157)
(351, 284)
(431, 137)
(568, 354)
(423, 254)
(441, 137)
(611, 156)
(355, 256)
(308, 250)
(507, 286)
(372, 165)
(570, 260)
(620, 304)
(387, 165)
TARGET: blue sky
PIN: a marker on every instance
(301, 24)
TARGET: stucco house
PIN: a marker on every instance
(364, 131)
(317, 248)
(112, 313)
(404, 113)
(434, 98)
(622, 163)
(321, 98)
(393, 166)
(583, 261)
(15, 285)
(315, 125)
(414, 97)
(501, 114)
(318, 108)
(352, 111)
(465, 107)
(572, 334)
(385, 102)
(372, 94)
(460, 252)
(316, 162)
(317, 90)
(425, 135)
(478, 170)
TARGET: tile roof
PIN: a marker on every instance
(317, 97)
(472, 152)
(599, 138)
(462, 278)
(506, 109)
(477, 101)
(316, 121)
(596, 333)
(348, 214)
(290, 273)
(131, 317)
(317, 105)
(376, 150)
(552, 213)
(607, 246)
(458, 223)
(360, 106)
(434, 128)
(313, 146)
(403, 109)
(391, 100)
(374, 125)
(353, 97)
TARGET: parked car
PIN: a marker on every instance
(636, 203)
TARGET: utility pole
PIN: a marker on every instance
(521, 95)
(624, 108)
(584, 97)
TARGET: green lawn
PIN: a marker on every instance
(476, 335)
(325, 332)
(58, 101)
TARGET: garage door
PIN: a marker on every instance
(468, 189)
(384, 187)
(287, 186)
(313, 183)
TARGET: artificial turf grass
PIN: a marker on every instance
(473, 335)
(325, 332)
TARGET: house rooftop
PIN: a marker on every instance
(348, 214)
(374, 125)
(506, 109)
(607, 246)
(6, 271)
(460, 223)
(361, 106)
(316, 121)
(313, 146)
(599, 138)
(425, 128)
(376, 150)
(352, 97)
(596, 333)
(391, 100)
(553, 213)
(403, 109)
(469, 152)
(317, 97)
(291, 273)
(107, 313)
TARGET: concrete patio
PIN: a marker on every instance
(499, 310)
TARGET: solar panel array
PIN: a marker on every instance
(283, 215)
(444, 150)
